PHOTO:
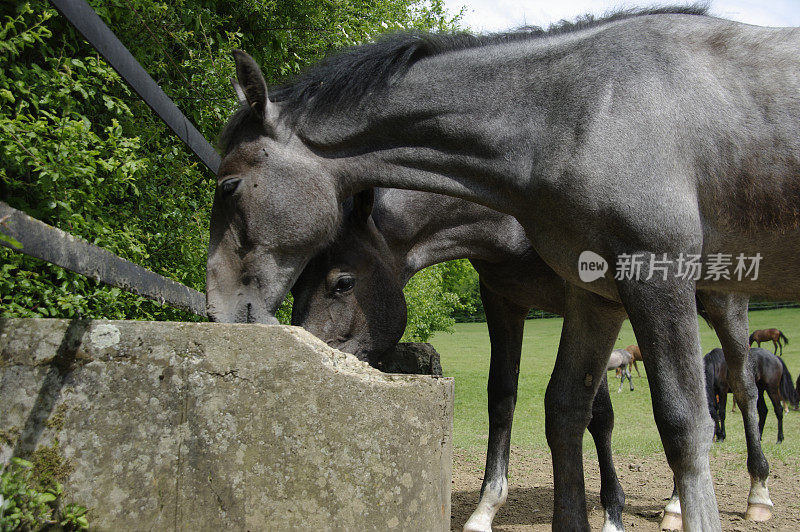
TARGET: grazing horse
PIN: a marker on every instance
(648, 138)
(766, 335)
(621, 360)
(771, 375)
(351, 292)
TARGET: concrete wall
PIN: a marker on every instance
(209, 426)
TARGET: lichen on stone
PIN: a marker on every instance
(9, 436)
(49, 467)
(57, 420)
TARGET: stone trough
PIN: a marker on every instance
(203, 426)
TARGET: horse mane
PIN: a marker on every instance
(348, 77)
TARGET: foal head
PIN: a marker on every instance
(351, 294)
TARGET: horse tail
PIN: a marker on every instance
(712, 377)
(711, 397)
(783, 336)
(788, 391)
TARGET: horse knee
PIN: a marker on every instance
(564, 419)
(686, 437)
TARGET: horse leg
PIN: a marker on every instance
(723, 403)
(621, 379)
(774, 347)
(713, 408)
(672, 511)
(602, 423)
(775, 396)
(728, 314)
(762, 412)
(591, 325)
(636, 367)
(630, 377)
(506, 322)
(664, 317)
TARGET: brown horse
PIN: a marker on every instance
(765, 335)
(636, 354)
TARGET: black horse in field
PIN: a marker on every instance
(771, 375)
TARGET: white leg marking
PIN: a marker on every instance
(481, 518)
(672, 519)
(759, 505)
(759, 494)
(673, 506)
(608, 526)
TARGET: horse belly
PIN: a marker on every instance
(777, 256)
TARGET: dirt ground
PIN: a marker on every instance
(647, 484)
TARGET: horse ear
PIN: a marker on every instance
(253, 86)
(239, 92)
(362, 204)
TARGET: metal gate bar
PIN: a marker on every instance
(82, 16)
(75, 254)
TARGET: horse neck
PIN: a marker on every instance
(422, 229)
(437, 130)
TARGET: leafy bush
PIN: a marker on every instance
(432, 302)
(25, 505)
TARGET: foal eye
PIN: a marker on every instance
(344, 284)
(228, 186)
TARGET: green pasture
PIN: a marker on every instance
(465, 356)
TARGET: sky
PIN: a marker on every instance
(500, 15)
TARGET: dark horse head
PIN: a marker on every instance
(351, 294)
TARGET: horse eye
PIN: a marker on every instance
(229, 186)
(344, 284)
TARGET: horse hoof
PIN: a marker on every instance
(479, 522)
(671, 521)
(758, 512)
(471, 526)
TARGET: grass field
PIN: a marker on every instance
(465, 356)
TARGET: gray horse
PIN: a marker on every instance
(658, 135)
(352, 289)
(620, 360)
